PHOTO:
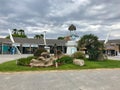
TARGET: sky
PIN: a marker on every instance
(55, 16)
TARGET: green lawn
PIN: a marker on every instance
(11, 66)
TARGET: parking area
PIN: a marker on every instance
(9, 57)
(99, 79)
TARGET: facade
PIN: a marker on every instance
(29, 45)
(112, 48)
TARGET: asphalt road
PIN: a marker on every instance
(62, 80)
(59, 80)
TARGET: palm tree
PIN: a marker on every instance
(72, 28)
(15, 31)
(39, 36)
(21, 32)
(36, 36)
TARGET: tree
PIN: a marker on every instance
(18, 33)
(39, 36)
(60, 38)
(71, 28)
(21, 32)
(92, 44)
(15, 31)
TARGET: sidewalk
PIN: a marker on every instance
(114, 57)
(8, 57)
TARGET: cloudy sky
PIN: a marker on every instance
(54, 16)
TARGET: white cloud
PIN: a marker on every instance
(55, 16)
(66, 8)
(115, 26)
(115, 34)
(96, 9)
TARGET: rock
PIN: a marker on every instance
(35, 61)
(43, 61)
(79, 62)
(41, 58)
(45, 55)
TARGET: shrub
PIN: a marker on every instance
(65, 60)
(78, 55)
(24, 61)
(39, 51)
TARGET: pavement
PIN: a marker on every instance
(9, 57)
(105, 79)
(114, 57)
(100, 79)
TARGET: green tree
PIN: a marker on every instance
(92, 44)
(60, 38)
(39, 36)
(21, 32)
(71, 28)
(18, 33)
(15, 31)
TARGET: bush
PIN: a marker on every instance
(78, 55)
(65, 60)
(39, 51)
(24, 61)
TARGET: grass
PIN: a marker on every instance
(12, 67)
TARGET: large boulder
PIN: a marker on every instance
(79, 62)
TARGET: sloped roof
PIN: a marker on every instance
(116, 41)
(28, 40)
(55, 41)
(4, 40)
(34, 41)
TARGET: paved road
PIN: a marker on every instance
(62, 80)
(4, 58)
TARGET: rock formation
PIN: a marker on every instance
(44, 60)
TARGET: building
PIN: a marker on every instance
(29, 45)
(113, 47)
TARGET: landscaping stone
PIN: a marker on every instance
(79, 62)
(43, 61)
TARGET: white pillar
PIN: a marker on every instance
(45, 38)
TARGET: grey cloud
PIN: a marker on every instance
(44, 14)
